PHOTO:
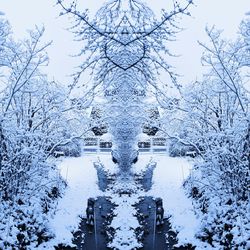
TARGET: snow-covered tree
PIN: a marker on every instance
(215, 121)
(127, 48)
(36, 119)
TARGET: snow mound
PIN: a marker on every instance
(125, 223)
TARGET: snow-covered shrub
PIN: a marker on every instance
(225, 222)
(177, 148)
(72, 149)
(24, 217)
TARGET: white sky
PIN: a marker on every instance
(24, 14)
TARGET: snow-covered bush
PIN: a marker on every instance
(24, 221)
(72, 149)
(176, 149)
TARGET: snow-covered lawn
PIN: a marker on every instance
(81, 178)
(168, 178)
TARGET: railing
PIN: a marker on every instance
(97, 145)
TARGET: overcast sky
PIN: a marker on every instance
(24, 14)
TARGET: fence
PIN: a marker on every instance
(153, 145)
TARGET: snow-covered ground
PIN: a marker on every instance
(168, 178)
(81, 178)
(125, 222)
